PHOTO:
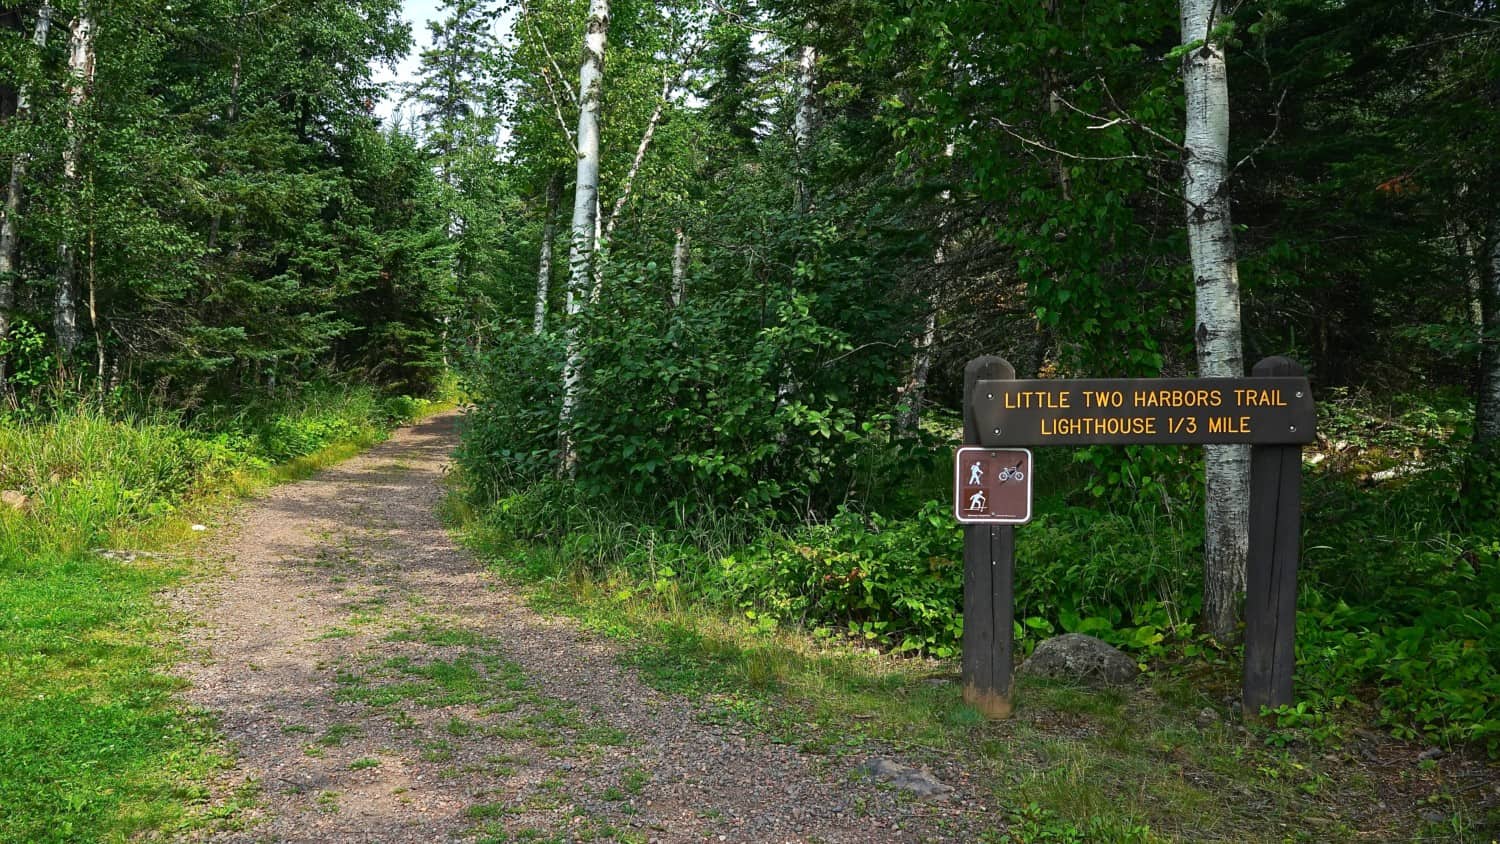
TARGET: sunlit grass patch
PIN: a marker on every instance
(93, 745)
(1141, 764)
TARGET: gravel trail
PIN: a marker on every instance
(377, 686)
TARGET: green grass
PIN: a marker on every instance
(1072, 765)
(93, 744)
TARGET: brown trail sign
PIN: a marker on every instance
(1159, 411)
(1272, 411)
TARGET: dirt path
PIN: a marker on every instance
(377, 686)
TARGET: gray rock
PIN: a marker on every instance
(918, 782)
(124, 556)
(1081, 659)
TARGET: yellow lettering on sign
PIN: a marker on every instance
(1229, 425)
(1103, 398)
(1177, 398)
(1096, 426)
(1037, 400)
(1259, 398)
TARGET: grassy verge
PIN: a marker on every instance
(1166, 761)
(92, 745)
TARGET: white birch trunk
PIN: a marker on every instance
(585, 215)
(680, 257)
(635, 163)
(1487, 416)
(921, 364)
(803, 125)
(804, 120)
(1216, 278)
(80, 77)
(544, 265)
(601, 250)
(10, 238)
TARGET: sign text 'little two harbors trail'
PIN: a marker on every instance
(1165, 411)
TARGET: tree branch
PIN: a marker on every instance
(1011, 130)
(1275, 127)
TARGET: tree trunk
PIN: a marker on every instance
(803, 123)
(804, 120)
(585, 216)
(1487, 414)
(10, 238)
(680, 258)
(921, 363)
(544, 265)
(1216, 277)
(80, 77)
(232, 114)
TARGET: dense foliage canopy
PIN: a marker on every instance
(808, 216)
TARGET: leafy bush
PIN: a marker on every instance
(899, 582)
(86, 472)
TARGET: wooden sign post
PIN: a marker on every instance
(989, 573)
(1271, 569)
(1272, 411)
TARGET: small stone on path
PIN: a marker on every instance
(918, 782)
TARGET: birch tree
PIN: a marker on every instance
(544, 263)
(80, 78)
(915, 389)
(1216, 280)
(10, 238)
(1487, 421)
(804, 120)
(585, 215)
(680, 258)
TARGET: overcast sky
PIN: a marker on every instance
(417, 13)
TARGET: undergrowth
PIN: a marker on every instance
(1399, 580)
(92, 746)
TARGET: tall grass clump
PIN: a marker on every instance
(92, 745)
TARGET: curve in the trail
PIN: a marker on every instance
(375, 685)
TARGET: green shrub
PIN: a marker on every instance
(898, 582)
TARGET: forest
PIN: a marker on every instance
(704, 276)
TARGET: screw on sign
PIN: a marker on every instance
(992, 486)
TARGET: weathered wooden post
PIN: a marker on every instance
(1272, 411)
(1271, 567)
(989, 574)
